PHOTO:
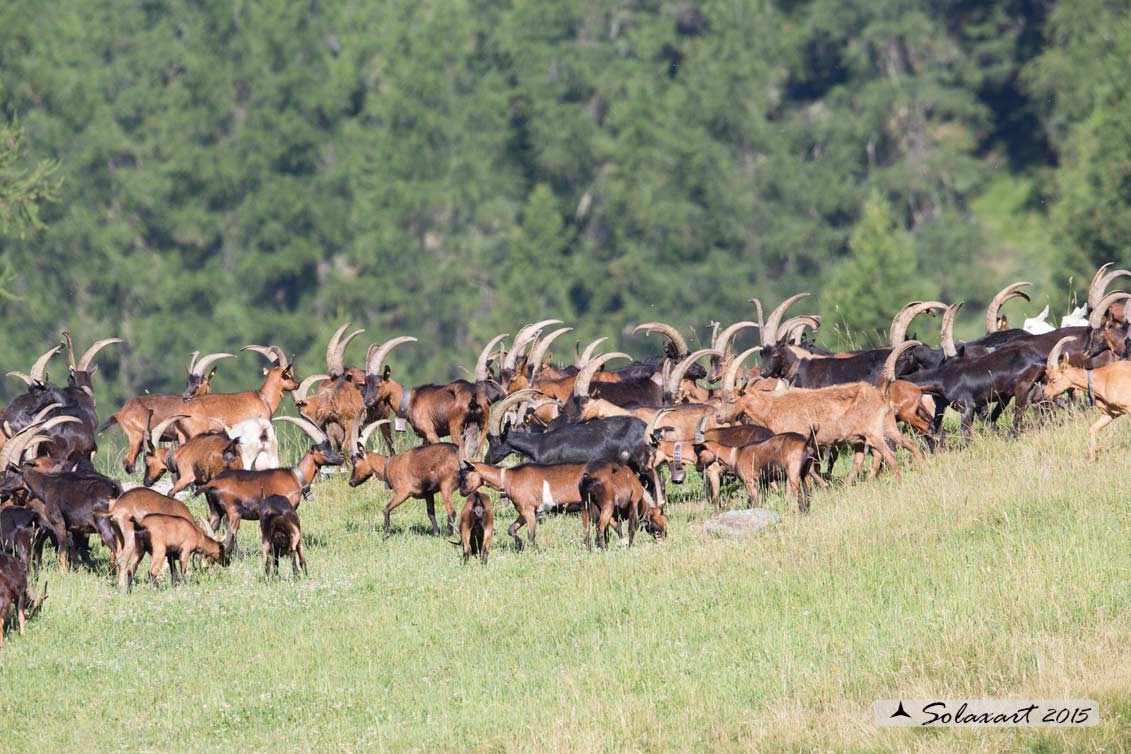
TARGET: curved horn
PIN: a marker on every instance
(368, 430)
(722, 341)
(1052, 363)
(272, 353)
(946, 340)
(585, 375)
(770, 330)
(523, 338)
(316, 434)
(32, 446)
(794, 327)
(159, 430)
(192, 361)
(587, 354)
(485, 357)
(336, 350)
(202, 364)
(1095, 319)
(39, 369)
(667, 331)
(70, 350)
(499, 410)
(375, 359)
(354, 439)
(761, 321)
(541, 346)
(84, 362)
(41, 414)
(23, 376)
(1005, 294)
(1101, 282)
(651, 426)
(305, 385)
(671, 384)
(893, 357)
(903, 319)
(731, 371)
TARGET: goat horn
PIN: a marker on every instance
(893, 357)
(23, 376)
(538, 352)
(667, 331)
(202, 364)
(305, 385)
(1052, 363)
(794, 327)
(1101, 282)
(587, 354)
(159, 430)
(358, 418)
(722, 341)
(31, 449)
(39, 369)
(671, 384)
(651, 426)
(731, 372)
(316, 434)
(1005, 294)
(485, 358)
(761, 322)
(336, 350)
(901, 321)
(946, 339)
(375, 359)
(41, 415)
(522, 338)
(499, 410)
(192, 361)
(84, 362)
(585, 375)
(70, 350)
(1095, 319)
(770, 330)
(272, 353)
(368, 430)
(14, 448)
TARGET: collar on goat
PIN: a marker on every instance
(406, 398)
(299, 477)
(266, 404)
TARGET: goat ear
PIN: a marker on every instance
(212, 373)
(265, 371)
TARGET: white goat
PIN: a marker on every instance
(259, 447)
(1038, 325)
(1078, 317)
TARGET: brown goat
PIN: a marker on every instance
(419, 473)
(281, 534)
(138, 503)
(789, 454)
(202, 413)
(531, 488)
(855, 413)
(136, 415)
(611, 491)
(196, 462)
(476, 527)
(237, 494)
(166, 536)
(16, 592)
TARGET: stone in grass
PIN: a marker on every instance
(742, 522)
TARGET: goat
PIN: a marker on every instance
(789, 454)
(1111, 386)
(16, 592)
(734, 436)
(167, 535)
(135, 415)
(281, 534)
(138, 503)
(202, 412)
(1038, 325)
(196, 462)
(856, 413)
(237, 494)
(476, 527)
(420, 473)
(531, 488)
(433, 411)
(611, 490)
(338, 398)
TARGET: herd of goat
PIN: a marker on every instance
(594, 439)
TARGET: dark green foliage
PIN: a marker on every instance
(262, 171)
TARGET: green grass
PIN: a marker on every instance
(1001, 569)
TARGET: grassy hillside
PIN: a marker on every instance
(998, 570)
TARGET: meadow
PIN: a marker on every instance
(997, 569)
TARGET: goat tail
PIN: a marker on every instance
(110, 421)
